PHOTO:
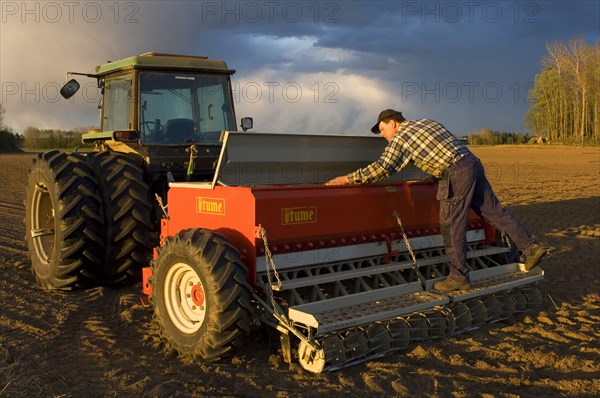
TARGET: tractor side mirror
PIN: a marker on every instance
(247, 123)
(69, 89)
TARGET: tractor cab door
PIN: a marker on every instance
(117, 103)
(215, 111)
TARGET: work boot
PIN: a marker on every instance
(534, 256)
(450, 285)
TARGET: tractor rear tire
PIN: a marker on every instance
(62, 221)
(129, 233)
(201, 295)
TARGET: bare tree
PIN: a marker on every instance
(579, 53)
(2, 110)
(595, 89)
(566, 94)
(556, 58)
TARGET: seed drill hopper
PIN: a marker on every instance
(344, 273)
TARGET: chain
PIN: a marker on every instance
(282, 319)
(410, 251)
(404, 237)
(163, 207)
(270, 265)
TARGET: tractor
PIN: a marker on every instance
(93, 218)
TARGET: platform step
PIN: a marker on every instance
(364, 308)
(488, 281)
(387, 303)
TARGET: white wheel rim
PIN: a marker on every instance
(184, 298)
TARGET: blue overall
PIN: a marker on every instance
(464, 186)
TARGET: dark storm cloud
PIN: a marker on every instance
(467, 63)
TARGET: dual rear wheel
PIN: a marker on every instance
(87, 219)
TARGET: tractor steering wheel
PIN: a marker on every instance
(150, 128)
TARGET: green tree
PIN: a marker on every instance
(9, 140)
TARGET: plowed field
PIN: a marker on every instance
(100, 342)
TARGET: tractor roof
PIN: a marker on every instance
(165, 61)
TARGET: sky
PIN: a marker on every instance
(326, 67)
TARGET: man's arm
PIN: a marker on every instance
(380, 169)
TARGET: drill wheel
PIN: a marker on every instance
(478, 312)
(462, 317)
(380, 339)
(400, 334)
(493, 308)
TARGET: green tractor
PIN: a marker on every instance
(94, 218)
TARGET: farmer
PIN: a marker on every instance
(462, 186)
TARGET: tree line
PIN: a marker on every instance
(488, 136)
(34, 138)
(566, 94)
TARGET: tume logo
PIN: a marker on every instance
(299, 215)
(210, 205)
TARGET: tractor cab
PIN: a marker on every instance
(169, 109)
(174, 108)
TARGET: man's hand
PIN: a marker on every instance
(341, 180)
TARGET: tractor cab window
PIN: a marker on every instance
(116, 110)
(183, 109)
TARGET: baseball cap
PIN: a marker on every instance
(382, 116)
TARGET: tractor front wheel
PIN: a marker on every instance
(200, 295)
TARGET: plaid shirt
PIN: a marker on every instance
(423, 142)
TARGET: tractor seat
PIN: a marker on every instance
(177, 131)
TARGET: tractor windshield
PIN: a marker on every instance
(184, 108)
